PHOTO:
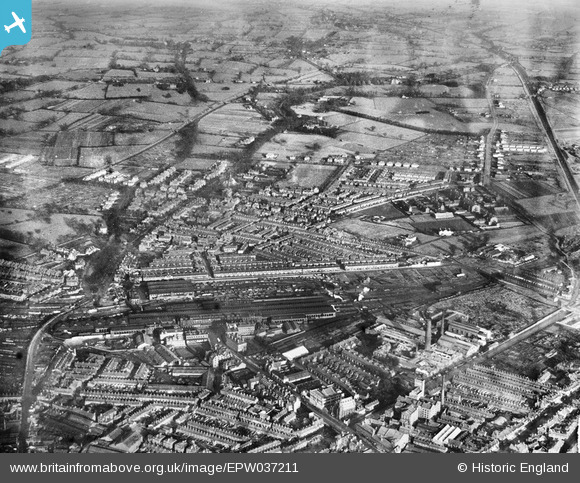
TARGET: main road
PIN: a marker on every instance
(520, 336)
(491, 134)
(27, 396)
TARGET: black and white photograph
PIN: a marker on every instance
(299, 226)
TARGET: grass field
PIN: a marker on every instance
(233, 119)
(53, 229)
(198, 164)
(377, 231)
(388, 211)
(291, 144)
(549, 204)
(34, 194)
(129, 90)
(97, 156)
(420, 113)
(454, 224)
(309, 176)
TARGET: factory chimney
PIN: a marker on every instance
(442, 332)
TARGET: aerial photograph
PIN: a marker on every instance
(299, 226)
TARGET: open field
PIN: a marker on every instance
(549, 204)
(222, 91)
(420, 113)
(9, 248)
(364, 126)
(129, 90)
(72, 197)
(563, 111)
(233, 120)
(290, 144)
(96, 157)
(378, 231)
(388, 211)
(368, 143)
(169, 97)
(162, 113)
(53, 85)
(127, 139)
(91, 91)
(432, 227)
(309, 176)
(83, 105)
(224, 140)
(54, 228)
(197, 164)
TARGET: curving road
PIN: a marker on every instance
(27, 397)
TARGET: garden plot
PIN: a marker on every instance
(92, 122)
(77, 105)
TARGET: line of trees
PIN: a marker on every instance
(182, 49)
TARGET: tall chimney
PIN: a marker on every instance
(428, 335)
(442, 390)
